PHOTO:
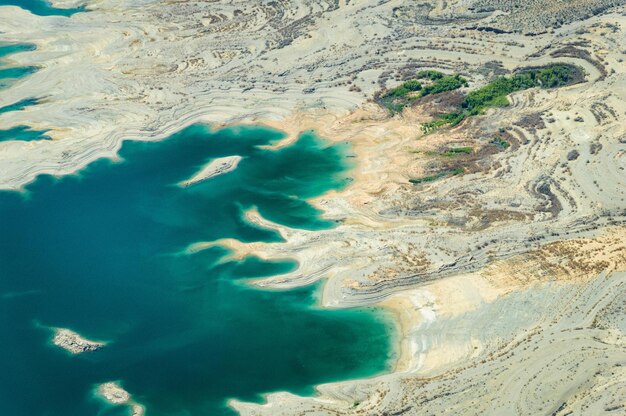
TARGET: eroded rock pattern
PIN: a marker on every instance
(507, 280)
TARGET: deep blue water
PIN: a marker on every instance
(41, 7)
(99, 252)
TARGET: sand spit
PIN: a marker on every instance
(214, 168)
(507, 280)
(113, 393)
(73, 342)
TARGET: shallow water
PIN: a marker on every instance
(8, 76)
(41, 7)
(11, 48)
(9, 73)
(100, 252)
(19, 105)
(22, 133)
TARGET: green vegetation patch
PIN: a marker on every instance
(495, 93)
(456, 151)
(446, 83)
(396, 99)
(500, 143)
(403, 89)
(430, 74)
(440, 175)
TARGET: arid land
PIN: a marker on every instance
(507, 280)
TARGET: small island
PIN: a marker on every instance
(213, 168)
(73, 342)
(113, 393)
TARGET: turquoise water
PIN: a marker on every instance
(9, 74)
(19, 105)
(100, 252)
(41, 7)
(11, 48)
(16, 72)
(22, 133)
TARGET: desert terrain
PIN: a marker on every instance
(507, 278)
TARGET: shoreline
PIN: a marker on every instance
(536, 223)
(81, 139)
(114, 394)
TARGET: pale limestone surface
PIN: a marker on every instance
(113, 393)
(214, 168)
(507, 281)
(74, 342)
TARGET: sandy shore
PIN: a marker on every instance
(507, 281)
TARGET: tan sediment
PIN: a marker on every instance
(576, 260)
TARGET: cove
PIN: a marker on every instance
(42, 7)
(102, 252)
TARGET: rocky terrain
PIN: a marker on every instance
(507, 279)
(214, 168)
(73, 342)
(113, 393)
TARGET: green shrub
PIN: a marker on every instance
(446, 83)
(433, 125)
(430, 74)
(440, 175)
(495, 93)
(500, 143)
(400, 91)
(458, 151)
(412, 85)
